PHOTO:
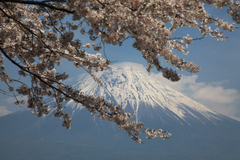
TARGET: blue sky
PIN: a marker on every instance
(216, 85)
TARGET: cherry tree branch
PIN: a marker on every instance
(42, 3)
(123, 124)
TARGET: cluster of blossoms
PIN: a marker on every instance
(34, 38)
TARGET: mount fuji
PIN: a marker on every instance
(130, 86)
(198, 133)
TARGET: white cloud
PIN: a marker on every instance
(4, 111)
(216, 94)
(212, 95)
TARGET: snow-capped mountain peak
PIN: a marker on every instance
(130, 86)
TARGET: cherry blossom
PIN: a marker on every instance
(34, 38)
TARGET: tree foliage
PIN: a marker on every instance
(35, 37)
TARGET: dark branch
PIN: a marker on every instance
(37, 76)
(43, 4)
(101, 3)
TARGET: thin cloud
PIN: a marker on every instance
(4, 111)
(13, 99)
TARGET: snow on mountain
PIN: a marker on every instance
(130, 86)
